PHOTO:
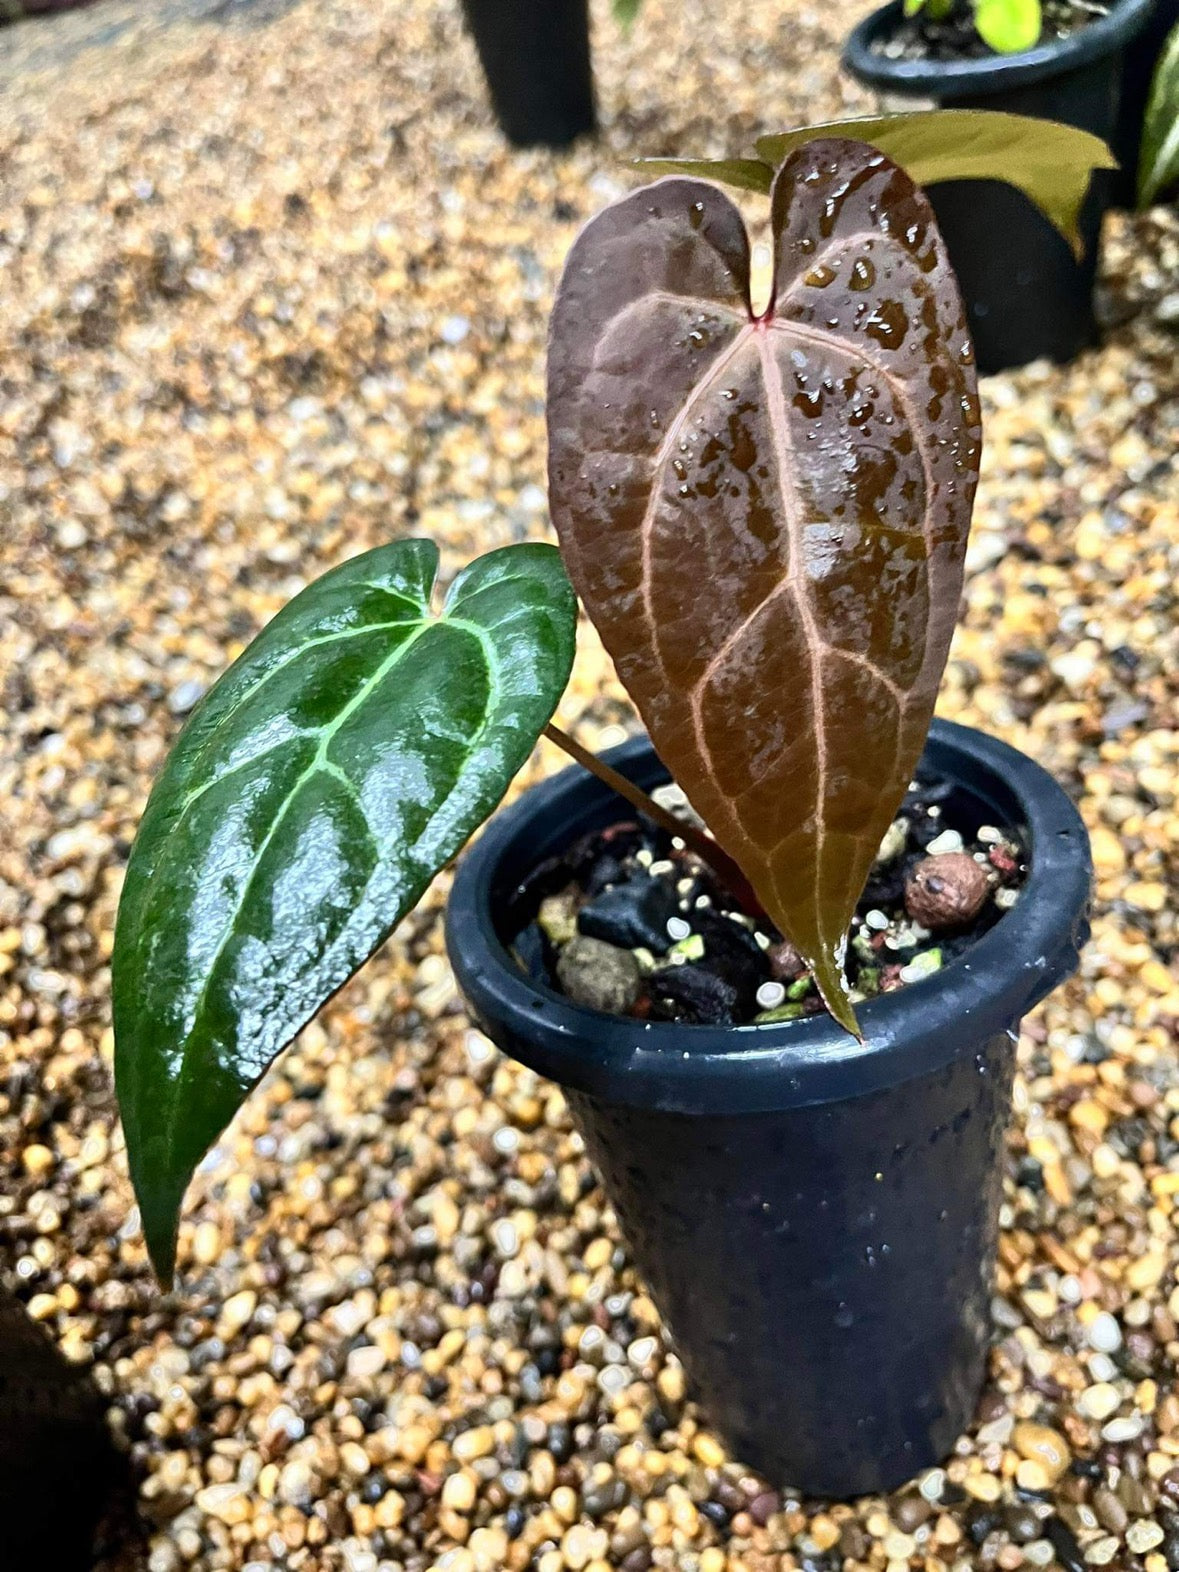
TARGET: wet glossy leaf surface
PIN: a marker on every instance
(315, 792)
(766, 517)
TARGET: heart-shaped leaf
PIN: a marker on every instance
(312, 796)
(766, 515)
(1051, 164)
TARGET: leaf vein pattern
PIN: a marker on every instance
(784, 449)
(316, 763)
(716, 369)
(272, 671)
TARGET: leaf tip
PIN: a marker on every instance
(832, 986)
(159, 1212)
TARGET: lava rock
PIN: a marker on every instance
(732, 953)
(631, 914)
(599, 976)
(531, 949)
(606, 871)
(694, 993)
(786, 965)
(946, 891)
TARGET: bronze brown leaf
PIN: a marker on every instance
(766, 515)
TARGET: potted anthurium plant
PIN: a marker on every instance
(1027, 292)
(764, 509)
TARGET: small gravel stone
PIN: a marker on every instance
(1144, 1536)
(1110, 1512)
(1104, 1333)
(600, 976)
(1043, 1446)
(1120, 1430)
(1099, 1401)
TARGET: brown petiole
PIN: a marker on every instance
(710, 853)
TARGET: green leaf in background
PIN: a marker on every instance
(746, 174)
(1050, 163)
(1158, 162)
(625, 12)
(314, 793)
(1008, 26)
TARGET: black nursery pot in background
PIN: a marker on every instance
(1026, 294)
(536, 58)
(816, 1218)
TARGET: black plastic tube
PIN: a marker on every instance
(536, 59)
(816, 1217)
(1026, 294)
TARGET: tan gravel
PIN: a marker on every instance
(272, 291)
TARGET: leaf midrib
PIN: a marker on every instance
(252, 691)
(318, 762)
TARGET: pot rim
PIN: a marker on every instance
(946, 80)
(750, 1068)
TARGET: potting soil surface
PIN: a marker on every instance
(274, 290)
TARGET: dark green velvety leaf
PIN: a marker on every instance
(1050, 163)
(312, 796)
(746, 174)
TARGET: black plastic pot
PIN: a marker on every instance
(536, 58)
(1026, 294)
(816, 1218)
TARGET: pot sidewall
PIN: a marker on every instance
(820, 1240)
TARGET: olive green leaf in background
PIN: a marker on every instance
(744, 174)
(766, 515)
(1050, 163)
(312, 796)
(935, 10)
(1158, 162)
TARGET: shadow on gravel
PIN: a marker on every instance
(66, 1493)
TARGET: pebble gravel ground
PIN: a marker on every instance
(272, 291)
